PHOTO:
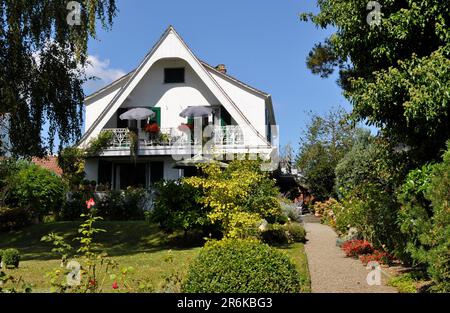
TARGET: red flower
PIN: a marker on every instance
(90, 203)
(92, 282)
(115, 285)
(152, 128)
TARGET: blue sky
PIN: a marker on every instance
(262, 42)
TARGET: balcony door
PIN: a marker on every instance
(132, 175)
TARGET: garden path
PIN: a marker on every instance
(331, 271)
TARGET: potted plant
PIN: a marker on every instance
(164, 138)
(152, 128)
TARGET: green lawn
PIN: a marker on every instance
(135, 244)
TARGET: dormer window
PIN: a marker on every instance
(174, 75)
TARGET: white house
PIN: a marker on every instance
(171, 78)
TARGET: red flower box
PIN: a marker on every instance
(152, 128)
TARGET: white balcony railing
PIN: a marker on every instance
(228, 135)
(121, 139)
(221, 136)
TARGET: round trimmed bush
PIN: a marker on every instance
(241, 266)
(275, 234)
(296, 232)
(10, 258)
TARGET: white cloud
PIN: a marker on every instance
(104, 74)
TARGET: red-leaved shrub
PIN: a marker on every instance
(376, 256)
(354, 248)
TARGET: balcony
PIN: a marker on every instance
(169, 140)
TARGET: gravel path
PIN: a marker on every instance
(330, 270)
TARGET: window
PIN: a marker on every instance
(173, 75)
(156, 172)
(121, 123)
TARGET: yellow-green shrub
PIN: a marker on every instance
(241, 187)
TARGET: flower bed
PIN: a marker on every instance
(355, 248)
(376, 256)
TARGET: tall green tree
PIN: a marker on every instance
(43, 52)
(323, 144)
(395, 74)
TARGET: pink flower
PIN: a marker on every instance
(90, 203)
(115, 285)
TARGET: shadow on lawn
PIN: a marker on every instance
(121, 239)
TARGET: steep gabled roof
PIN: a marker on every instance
(109, 86)
(208, 66)
(242, 84)
(197, 66)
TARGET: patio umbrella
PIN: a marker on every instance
(198, 159)
(196, 111)
(137, 114)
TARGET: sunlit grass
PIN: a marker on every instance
(135, 243)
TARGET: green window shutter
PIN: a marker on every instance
(190, 120)
(157, 118)
(225, 117)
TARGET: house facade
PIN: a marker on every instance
(237, 119)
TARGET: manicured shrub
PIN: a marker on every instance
(10, 258)
(355, 248)
(241, 266)
(275, 234)
(296, 232)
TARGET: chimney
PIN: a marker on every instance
(221, 68)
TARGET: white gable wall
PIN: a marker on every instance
(171, 98)
(251, 105)
(96, 107)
